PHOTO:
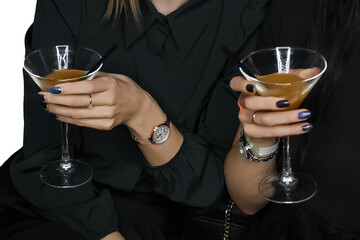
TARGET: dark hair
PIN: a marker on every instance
(335, 28)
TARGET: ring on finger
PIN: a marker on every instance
(253, 117)
(90, 102)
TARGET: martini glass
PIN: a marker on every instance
(291, 73)
(49, 67)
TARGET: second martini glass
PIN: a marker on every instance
(290, 73)
(49, 67)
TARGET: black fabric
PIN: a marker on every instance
(286, 222)
(185, 75)
(210, 224)
(331, 157)
(19, 221)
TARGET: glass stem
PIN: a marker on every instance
(65, 157)
(286, 175)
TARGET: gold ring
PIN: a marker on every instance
(91, 102)
(253, 117)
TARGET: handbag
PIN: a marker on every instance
(226, 222)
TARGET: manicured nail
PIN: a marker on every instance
(283, 104)
(250, 88)
(55, 90)
(52, 115)
(307, 127)
(304, 115)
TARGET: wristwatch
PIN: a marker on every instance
(159, 135)
(253, 152)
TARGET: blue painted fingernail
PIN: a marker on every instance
(250, 88)
(283, 104)
(304, 115)
(307, 127)
(55, 90)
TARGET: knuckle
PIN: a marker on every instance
(109, 125)
(110, 113)
(107, 115)
(244, 101)
(105, 80)
(112, 99)
(241, 116)
(265, 119)
(112, 81)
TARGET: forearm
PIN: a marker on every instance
(243, 177)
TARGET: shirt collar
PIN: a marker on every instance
(185, 23)
(134, 30)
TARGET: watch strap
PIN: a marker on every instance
(248, 149)
(261, 151)
(149, 141)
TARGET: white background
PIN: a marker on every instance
(15, 18)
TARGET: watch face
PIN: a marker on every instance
(161, 134)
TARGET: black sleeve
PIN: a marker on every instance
(84, 209)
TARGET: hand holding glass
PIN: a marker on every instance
(49, 67)
(289, 73)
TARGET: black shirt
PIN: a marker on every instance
(332, 155)
(179, 60)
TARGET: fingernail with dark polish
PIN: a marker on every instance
(307, 127)
(41, 98)
(250, 88)
(304, 115)
(55, 90)
(52, 115)
(283, 104)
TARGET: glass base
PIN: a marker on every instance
(59, 175)
(287, 190)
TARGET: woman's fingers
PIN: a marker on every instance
(84, 87)
(240, 84)
(258, 131)
(257, 103)
(98, 112)
(305, 73)
(280, 117)
(80, 100)
(101, 124)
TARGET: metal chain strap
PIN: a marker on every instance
(227, 220)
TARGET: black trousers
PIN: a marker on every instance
(141, 216)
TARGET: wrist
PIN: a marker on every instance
(254, 152)
(148, 115)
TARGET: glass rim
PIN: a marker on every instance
(283, 47)
(65, 79)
